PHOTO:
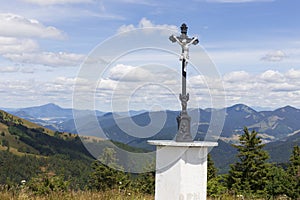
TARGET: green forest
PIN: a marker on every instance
(37, 163)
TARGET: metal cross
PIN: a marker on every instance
(184, 120)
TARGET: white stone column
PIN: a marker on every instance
(181, 169)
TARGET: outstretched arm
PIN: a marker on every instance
(173, 38)
(192, 41)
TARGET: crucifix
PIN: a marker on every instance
(184, 120)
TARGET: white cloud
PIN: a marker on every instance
(13, 25)
(129, 73)
(272, 76)
(32, 92)
(145, 23)
(275, 56)
(293, 74)
(14, 45)
(53, 2)
(267, 89)
(140, 87)
(259, 90)
(285, 87)
(28, 51)
(9, 69)
(61, 59)
(107, 84)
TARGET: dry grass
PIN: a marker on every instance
(89, 195)
(72, 195)
(240, 197)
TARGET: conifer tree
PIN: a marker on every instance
(294, 173)
(278, 182)
(215, 183)
(211, 169)
(248, 176)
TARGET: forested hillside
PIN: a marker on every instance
(29, 151)
(49, 161)
(33, 153)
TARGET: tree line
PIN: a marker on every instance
(251, 176)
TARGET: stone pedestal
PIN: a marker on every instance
(181, 169)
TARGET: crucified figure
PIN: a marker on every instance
(184, 41)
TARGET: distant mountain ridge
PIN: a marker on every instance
(26, 137)
(47, 111)
(49, 115)
(272, 125)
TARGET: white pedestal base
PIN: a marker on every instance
(181, 169)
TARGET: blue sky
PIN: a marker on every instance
(253, 43)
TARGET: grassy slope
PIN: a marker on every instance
(8, 117)
(27, 136)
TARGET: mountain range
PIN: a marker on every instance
(278, 127)
(272, 126)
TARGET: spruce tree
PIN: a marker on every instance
(248, 176)
(278, 182)
(215, 183)
(211, 169)
(294, 173)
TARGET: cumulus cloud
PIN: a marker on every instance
(293, 74)
(275, 56)
(139, 86)
(268, 89)
(53, 2)
(145, 23)
(129, 73)
(61, 59)
(28, 51)
(259, 90)
(33, 92)
(272, 76)
(15, 45)
(13, 25)
(107, 84)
